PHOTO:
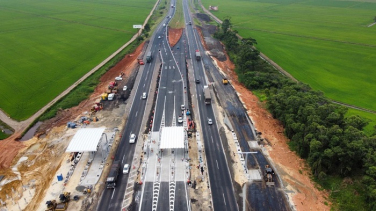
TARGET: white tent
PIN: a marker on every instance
(86, 140)
(172, 138)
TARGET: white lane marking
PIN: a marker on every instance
(217, 164)
(212, 139)
(224, 198)
(173, 67)
(113, 194)
(136, 113)
(123, 159)
(169, 67)
(144, 85)
(165, 67)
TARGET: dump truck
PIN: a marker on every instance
(225, 81)
(140, 61)
(198, 55)
(207, 95)
(268, 176)
(149, 57)
(113, 175)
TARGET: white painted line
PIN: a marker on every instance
(113, 194)
(136, 113)
(144, 85)
(123, 159)
(217, 163)
(224, 198)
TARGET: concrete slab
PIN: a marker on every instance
(254, 175)
(95, 170)
(253, 145)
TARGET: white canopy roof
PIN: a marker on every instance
(86, 140)
(172, 138)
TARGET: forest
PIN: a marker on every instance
(319, 131)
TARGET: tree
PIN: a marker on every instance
(147, 27)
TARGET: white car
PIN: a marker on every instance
(159, 37)
(132, 138)
(126, 169)
(180, 119)
(210, 122)
(111, 96)
(118, 78)
(125, 88)
(182, 107)
(144, 95)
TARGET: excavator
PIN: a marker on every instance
(51, 205)
(269, 173)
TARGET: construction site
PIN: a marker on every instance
(69, 161)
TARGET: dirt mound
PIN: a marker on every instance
(203, 17)
(174, 36)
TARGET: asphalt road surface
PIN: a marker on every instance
(112, 198)
(220, 179)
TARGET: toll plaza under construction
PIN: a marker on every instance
(86, 157)
(166, 170)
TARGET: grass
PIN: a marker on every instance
(346, 194)
(370, 128)
(325, 44)
(4, 126)
(178, 20)
(83, 91)
(47, 45)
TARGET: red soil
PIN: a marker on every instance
(9, 147)
(174, 36)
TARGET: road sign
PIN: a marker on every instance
(137, 26)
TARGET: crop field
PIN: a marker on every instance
(47, 45)
(324, 43)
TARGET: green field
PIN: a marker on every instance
(47, 45)
(324, 43)
(178, 22)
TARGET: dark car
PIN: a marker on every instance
(197, 81)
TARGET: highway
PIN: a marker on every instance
(220, 180)
(259, 196)
(112, 198)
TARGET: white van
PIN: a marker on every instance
(111, 96)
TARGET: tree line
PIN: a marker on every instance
(318, 130)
